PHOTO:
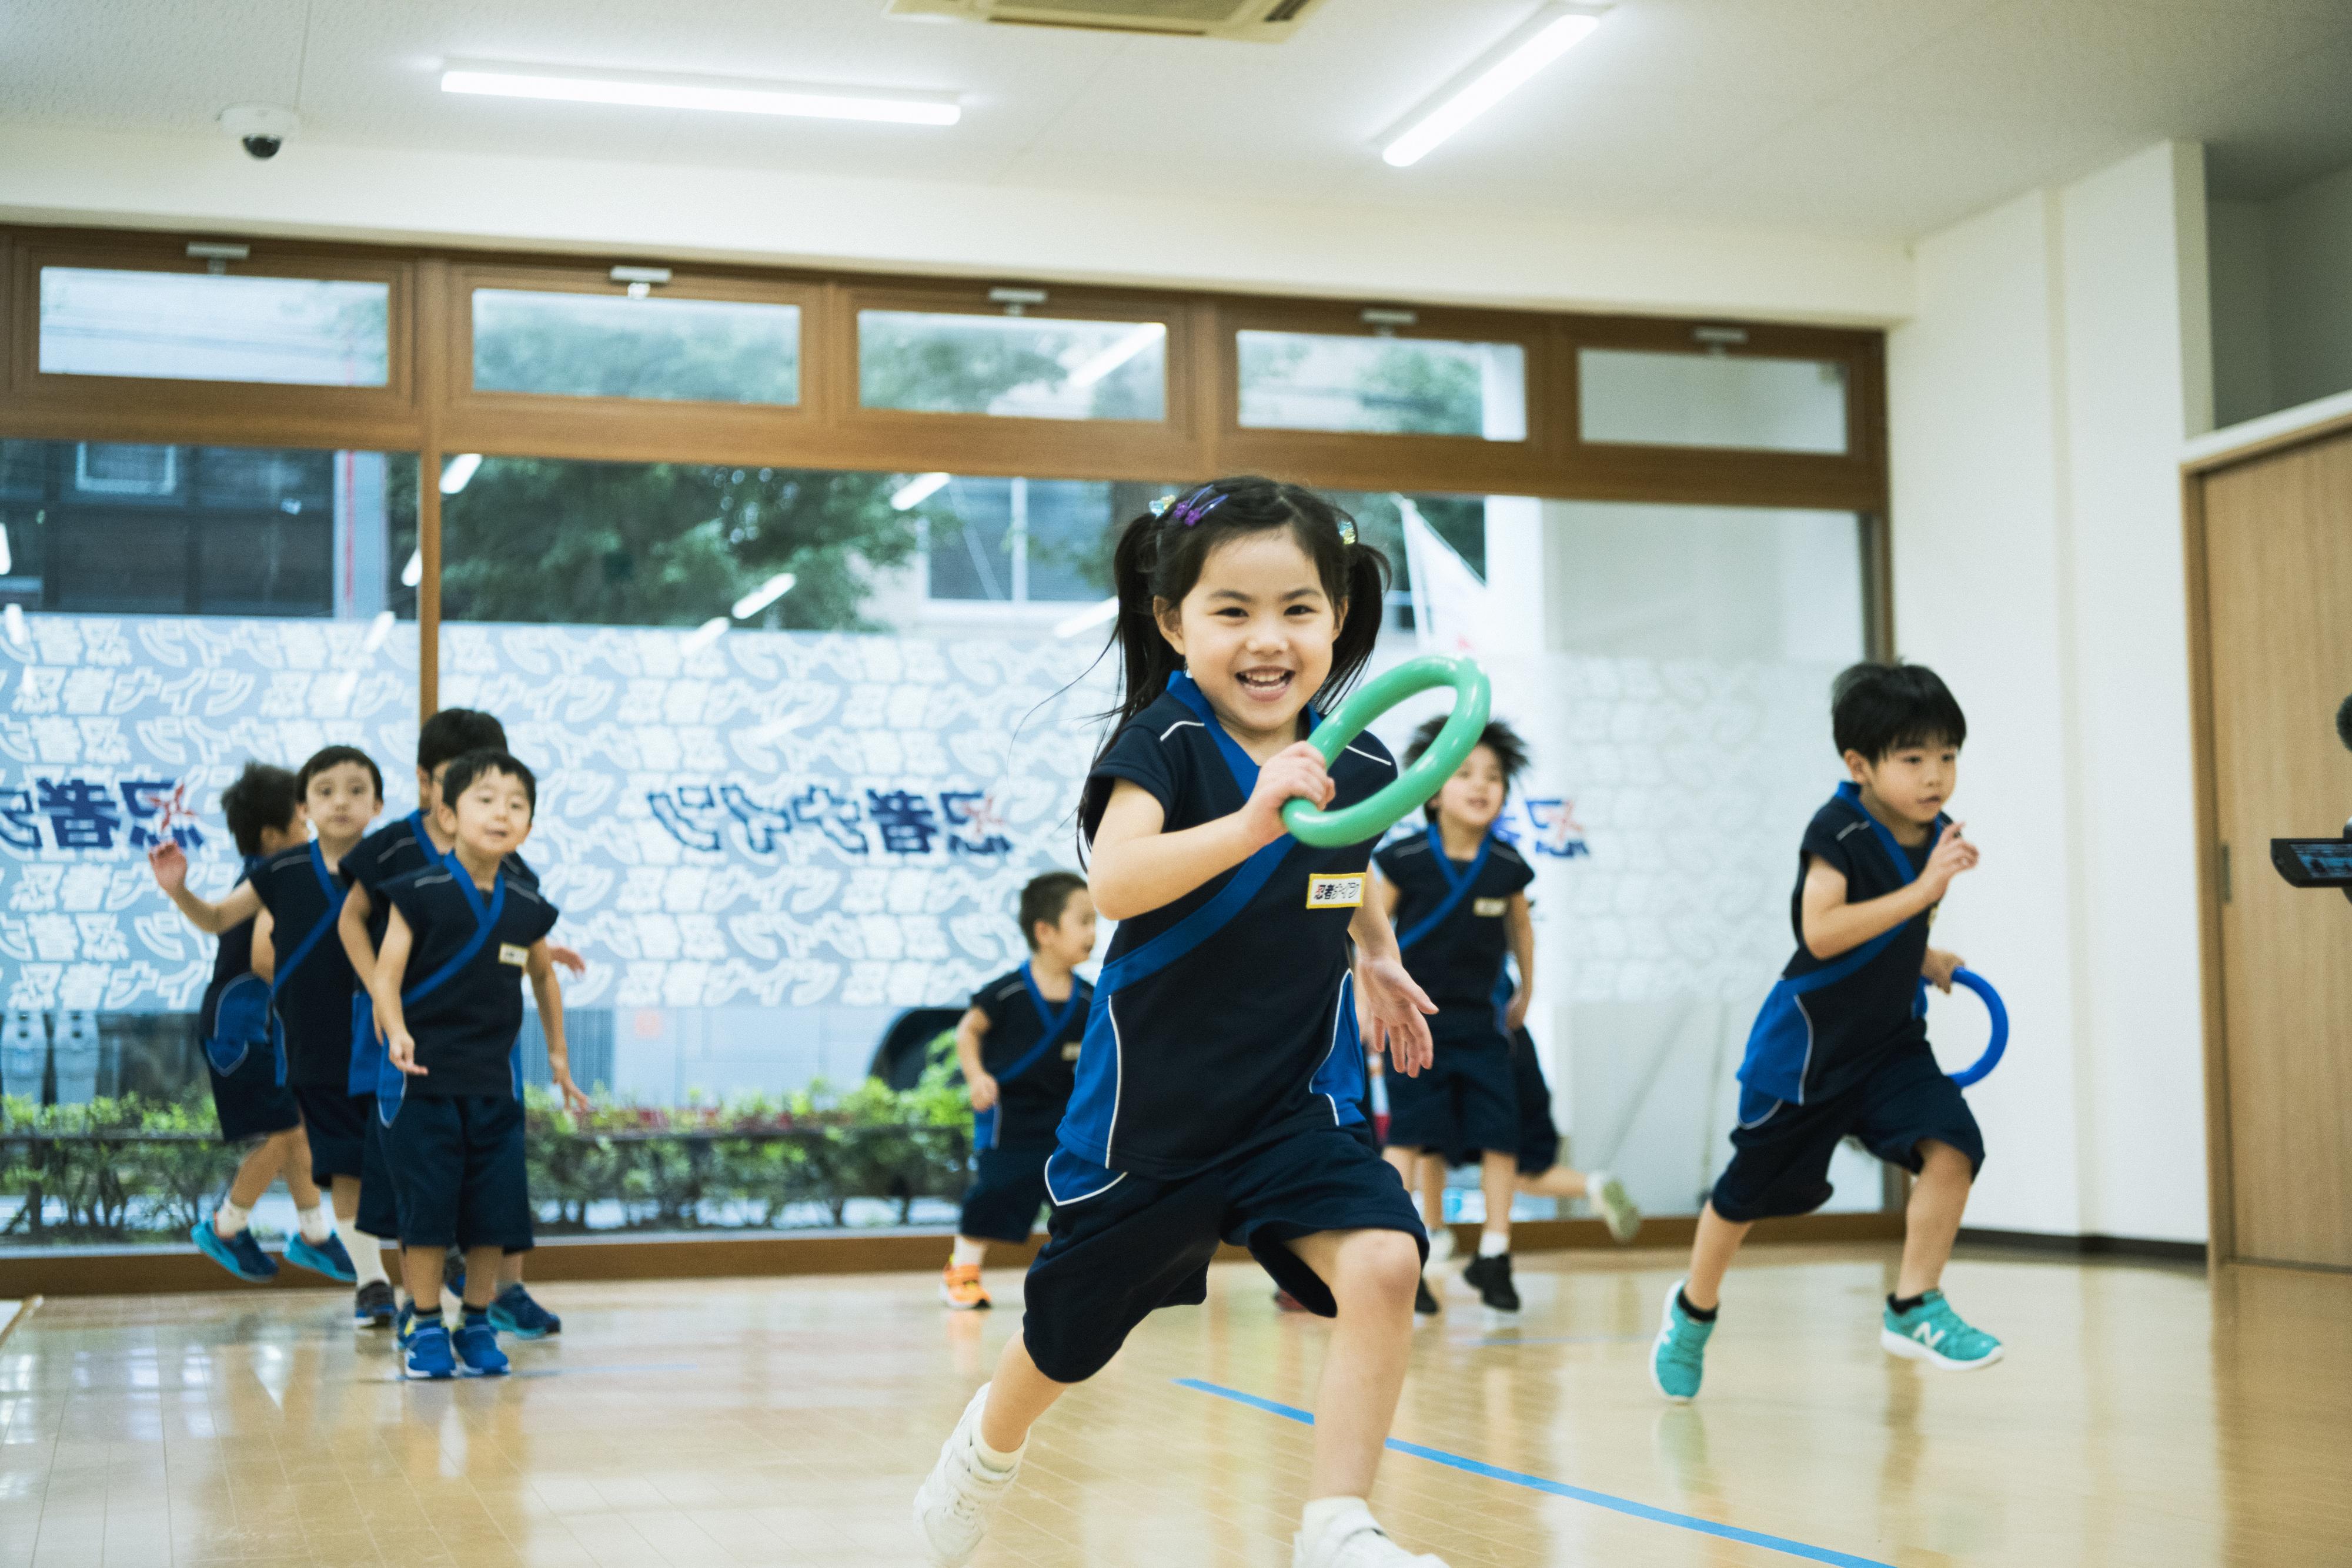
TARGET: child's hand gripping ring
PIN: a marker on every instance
(1369, 819)
(1992, 1057)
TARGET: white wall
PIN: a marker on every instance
(2282, 299)
(2040, 396)
(659, 211)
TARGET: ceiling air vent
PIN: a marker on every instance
(1257, 21)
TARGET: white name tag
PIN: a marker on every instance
(1070, 1051)
(1335, 891)
(510, 954)
(1489, 906)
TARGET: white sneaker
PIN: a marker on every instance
(956, 1501)
(1441, 1246)
(1615, 1205)
(1354, 1541)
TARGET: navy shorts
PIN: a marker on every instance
(336, 1124)
(1007, 1192)
(1137, 1244)
(1461, 1104)
(247, 1100)
(1780, 1159)
(458, 1163)
(379, 1214)
(1539, 1133)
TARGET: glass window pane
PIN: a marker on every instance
(589, 345)
(167, 613)
(1029, 367)
(191, 326)
(1028, 541)
(1712, 400)
(1407, 386)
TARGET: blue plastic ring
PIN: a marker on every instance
(1993, 1053)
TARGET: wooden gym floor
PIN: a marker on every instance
(2143, 1416)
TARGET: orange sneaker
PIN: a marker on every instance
(962, 1290)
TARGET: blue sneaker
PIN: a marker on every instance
(326, 1257)
(425, 1354)
(1678, 1358)
(1933, 1333)
(240, 1254)
(477, 1347)
(372, 1308)
(514, 1313)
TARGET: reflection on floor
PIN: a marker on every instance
(2143, 1417)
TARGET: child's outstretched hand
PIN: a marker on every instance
(1952, 855)
(403, 1049)
(983, 1092)
(169, 861)
(568, 957)
(1940, 967)
(578, 1103)
(1296, 772)
(1398, 1009)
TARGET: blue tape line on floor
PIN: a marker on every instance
(1561, 1489)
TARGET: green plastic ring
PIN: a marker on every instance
(1371, 818)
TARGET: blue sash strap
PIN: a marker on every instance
(986, 1124)
(486, 921)
(1456, 888)
(317, 933)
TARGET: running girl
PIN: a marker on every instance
(1219, 1084)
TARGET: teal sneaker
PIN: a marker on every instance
(1678, 1359)
(1933, 1333)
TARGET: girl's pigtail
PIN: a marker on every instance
(1367, 586)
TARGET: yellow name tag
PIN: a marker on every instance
(1335, 891)
(1489, 906)
(510, 954)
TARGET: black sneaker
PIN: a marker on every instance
(1491, 1278)
(372, 1308)
(1425, 1301)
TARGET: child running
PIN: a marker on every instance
(461, 934)
(1220, 1086)
(301, 887)
(1458, 892)
(244, 1056)
(1018, 1045)
(413, 843)
(1840, 1047)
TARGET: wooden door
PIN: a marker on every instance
(2278, 575)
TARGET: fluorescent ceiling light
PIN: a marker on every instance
(1118, 353)
(918, 490)
(702, 636)
(767, 593)
(7, 562)
(414, 572)
(1502, 71)
(1093, 615)
(459, 472)
(13, 620)
(637, 89)
(378, 629)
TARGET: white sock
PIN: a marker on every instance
(1326, 1511)
(967, 1254)
(229, 1218)
(994, 1459)
(1493, 1243)
(317, 1222)
(367, 1259)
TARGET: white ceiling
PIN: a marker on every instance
(1877, 118)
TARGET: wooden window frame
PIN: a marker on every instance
(187, 410)
(1850, 481)
(624, 429)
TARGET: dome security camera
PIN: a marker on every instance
(260, 128)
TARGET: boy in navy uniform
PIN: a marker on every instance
(298, 894)
(1840, 1047)
(448, 989)
(1457, 894)
(244, 1057)
(413, 843)
(1018, 1047)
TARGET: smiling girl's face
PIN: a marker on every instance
(1255, 631)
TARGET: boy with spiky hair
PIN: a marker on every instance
(1841, 1047)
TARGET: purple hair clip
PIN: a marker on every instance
(1199, 505)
